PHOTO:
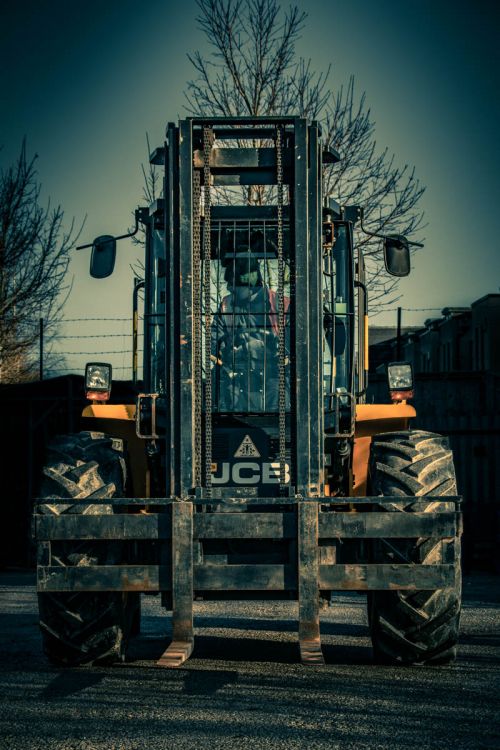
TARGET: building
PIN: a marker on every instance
(463, 339)
(456, 364)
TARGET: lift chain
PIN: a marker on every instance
(281, 311)
(197, 344)
(208, 138)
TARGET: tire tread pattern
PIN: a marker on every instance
(83, 627)
(415, 627)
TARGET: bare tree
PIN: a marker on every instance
(151, 190)
(253, 69)
(34, 257)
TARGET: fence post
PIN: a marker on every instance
(398, 337)
(41, 348)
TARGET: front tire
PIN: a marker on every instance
(417, 627)
(83, 627)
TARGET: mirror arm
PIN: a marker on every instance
(122, 236)
(366, 231)
(383, 236)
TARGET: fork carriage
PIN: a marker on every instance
(305, 533)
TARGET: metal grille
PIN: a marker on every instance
(246, 377)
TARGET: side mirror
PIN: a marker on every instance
(102, 260)
(397, 255)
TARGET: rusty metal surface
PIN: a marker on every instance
(245, 577)
(384, 577)
(182, 587)
(147, 578)
(176, 654)
(151, 578)
(375, 525)
(116, 526)
(372, 525)
(245, 525)
(308, 584)
(311, 654)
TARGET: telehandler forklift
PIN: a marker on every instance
(251, 466)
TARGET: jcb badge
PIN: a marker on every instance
(247, 449)
(249, 472)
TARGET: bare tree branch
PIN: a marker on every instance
(34, 258)
(253, 69)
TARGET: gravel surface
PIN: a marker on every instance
(244, 688)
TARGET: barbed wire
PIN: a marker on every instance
(99, 320)
(72, 369)
(111, 351)
(416, 309)
(142, 318)
(93, 336)
(81, 320)
(140, 334)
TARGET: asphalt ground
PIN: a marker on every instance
(244, 687)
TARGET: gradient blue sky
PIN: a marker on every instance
(84, 81)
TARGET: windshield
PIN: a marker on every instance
(245, 320)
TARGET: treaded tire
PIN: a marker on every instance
(81, 628)
(419, 627)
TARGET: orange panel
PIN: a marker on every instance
(110, 411)
(374, 419)
(118, 420)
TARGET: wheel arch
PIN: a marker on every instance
(371, 420)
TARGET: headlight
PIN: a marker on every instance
(400, 379)
(98, 381)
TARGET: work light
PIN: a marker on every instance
(98, 381)
(400, 379)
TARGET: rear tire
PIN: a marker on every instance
(418, 627)
(83, 627)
